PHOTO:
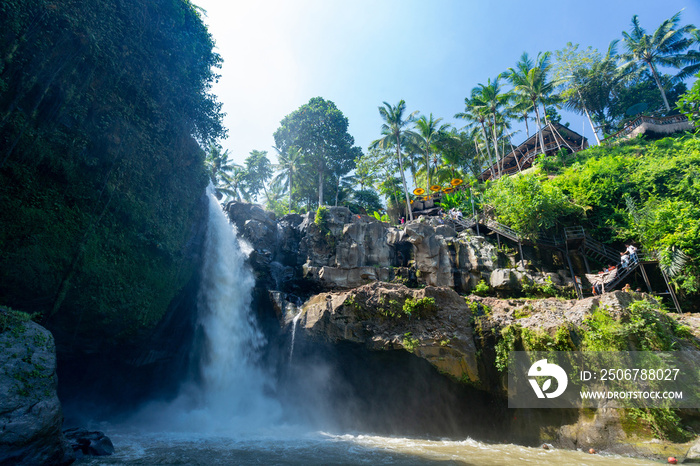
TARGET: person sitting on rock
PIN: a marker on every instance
(627, 288)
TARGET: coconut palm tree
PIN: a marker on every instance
(475, 114)
(396, 133)
(529, 78)
(288, 166)
(233, 183)
(664, 47)
(493, 102)
(428, 131)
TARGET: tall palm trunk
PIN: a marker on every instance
(427, 171)
(527, 128)
(658, 83)
(403, 179)
(588, 115)
(539, 125)
(488, 149)
(495, 147)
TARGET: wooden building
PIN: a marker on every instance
(555, 137)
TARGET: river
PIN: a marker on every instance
(326, 449)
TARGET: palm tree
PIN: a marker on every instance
(233, 183)
(664, 47)
(395, 134)
(493, 102)
(522, 106)
(473, 112)
(217, 163)
(428, 131)
(530, 80)
(288, 166)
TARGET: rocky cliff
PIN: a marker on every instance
(351, 279)
(31, 417)
(343, 250)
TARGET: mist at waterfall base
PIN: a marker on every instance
(254, 399)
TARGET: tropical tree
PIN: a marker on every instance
(529, 78)
(368, 169)
(429, 130)
(320, 131)
(234, 183)
(396, 133)
(459, 152)
(217, 163)
(474, 113)
(492, 102)
(521, 106)
(664, 47)
(288, 166)
(258, 172)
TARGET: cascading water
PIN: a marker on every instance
(294, 332)
(231, 395)
(233, 385)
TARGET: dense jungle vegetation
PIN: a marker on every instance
(104, 108)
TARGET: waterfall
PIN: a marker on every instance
(232, 394)
(294, 331)
(233, 384)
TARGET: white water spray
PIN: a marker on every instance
(232, 382)
(233, 394)
(294, 331)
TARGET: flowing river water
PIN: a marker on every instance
(230, 415)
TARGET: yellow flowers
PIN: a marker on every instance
(419, 191)
(435, 188)
(456, 182)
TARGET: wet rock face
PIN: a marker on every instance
(89, 443)
(433, 323)
(350, 250)
(31, 416)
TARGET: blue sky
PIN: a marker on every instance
(358, 53)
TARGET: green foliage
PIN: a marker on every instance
(482, 288)
(380, 217)
(11, 319)
(104, 109)
(644, 191)
(321, 220)
(533, 340)
(419, 308)
(663, 422)
(409, 342)
(529, 205)
(458, 200)
(367, 200)
(689, 103)
(509, 336)
(319, 130)
(517, 338)
(540, 290)
(647, 328)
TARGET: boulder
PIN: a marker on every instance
(31, 416)
(693, 455)
(374, 315)
(90, 443)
